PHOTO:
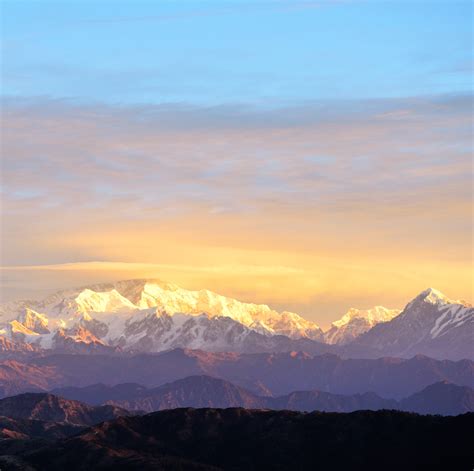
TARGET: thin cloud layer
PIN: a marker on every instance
(367, 182)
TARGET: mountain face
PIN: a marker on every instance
(147, 315)
(263, 373)
(431, 324)
(356, 322)
(10, 347)
(250, 440)
(50, 408)
(441, 398)
(193, 391)
(20, 376)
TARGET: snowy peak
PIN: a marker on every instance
(437, 298)
(356, 322)
(431, 307)
(431, 324)
(17, 327)
(34, 321)
(372, 316)
(106, 301)
(148, 314)
(258, 317)
(433, 296)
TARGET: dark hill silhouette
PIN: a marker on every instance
(250, 440)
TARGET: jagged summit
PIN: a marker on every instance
(432, 301)
(431, 324)
(149, 314)
(373, 315)
(357, 321)
(433, 296)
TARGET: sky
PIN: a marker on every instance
(313, 156)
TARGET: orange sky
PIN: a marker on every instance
(320, 288)
(305, 209)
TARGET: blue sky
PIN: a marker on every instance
(209, 53)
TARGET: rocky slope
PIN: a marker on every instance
(51, 408)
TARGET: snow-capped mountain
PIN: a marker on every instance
(431, 324)
(151, 316)
(356, 322)
(148, 315)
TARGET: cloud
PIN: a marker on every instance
(241, 157)
(311, 186)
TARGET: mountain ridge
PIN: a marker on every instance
(48, 407)
(199, 391)
(262, 373)
(152, 316)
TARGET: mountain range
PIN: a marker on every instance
(271, 374)
(152, 316)
(204, 391)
